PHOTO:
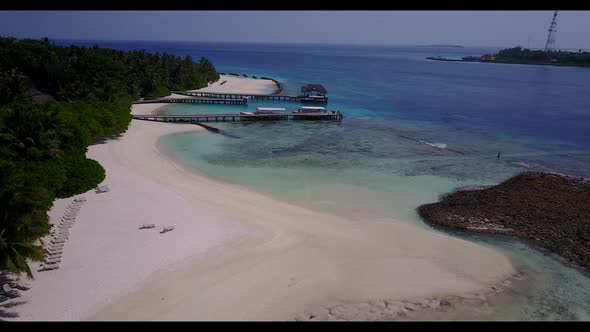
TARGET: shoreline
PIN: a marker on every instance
(229, 259)
(181, 277)
(467, 305)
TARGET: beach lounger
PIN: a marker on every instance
(49, 267)
(102, 189)
(57, 240)
(54, 256)
(147, 226)
(54, 252)
(56, 247)
(167, 229)
(50, 261)
(8, 291)
(53, 261)
(22, 285)
(65, 222)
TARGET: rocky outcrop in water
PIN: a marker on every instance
(550, 210)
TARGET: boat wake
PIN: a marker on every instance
(436, 145)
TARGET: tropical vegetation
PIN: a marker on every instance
(524, 55)
(43, 144)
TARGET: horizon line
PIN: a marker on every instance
(453, 45)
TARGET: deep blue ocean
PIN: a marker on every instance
(413, 129)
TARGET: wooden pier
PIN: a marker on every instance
(225, 101)
(253, 97)
(241, 117)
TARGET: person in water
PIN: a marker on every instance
(498, 155)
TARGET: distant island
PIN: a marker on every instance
(444, 45)
(538, 57)
(550, 210)
(463, 59)
(518, 55)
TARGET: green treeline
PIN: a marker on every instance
(520, 55)
(43, 144)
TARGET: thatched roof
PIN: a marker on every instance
(314, 88)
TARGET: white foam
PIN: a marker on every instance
(436, 145)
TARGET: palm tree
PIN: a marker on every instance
(13, 255)
(13, 85)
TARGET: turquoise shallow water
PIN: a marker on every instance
(364, 187)
(413, 129)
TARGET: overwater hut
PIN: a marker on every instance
(314, 93)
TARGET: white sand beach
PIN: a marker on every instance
(234, 254)
(106, 254)
(236, 84)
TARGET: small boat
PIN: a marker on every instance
(311, 109)
(147, 226)
(269, 110)
(314, 99)
(167, 229)
(246, 113)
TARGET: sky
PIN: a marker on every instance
(467, 28)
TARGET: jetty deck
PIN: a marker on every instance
(203, 100)
(241, 117)
(253, 97)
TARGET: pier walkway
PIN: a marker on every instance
(241, 117)
(253, 97)
(205, 100)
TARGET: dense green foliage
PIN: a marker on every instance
(43, 145)
(520, 55)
